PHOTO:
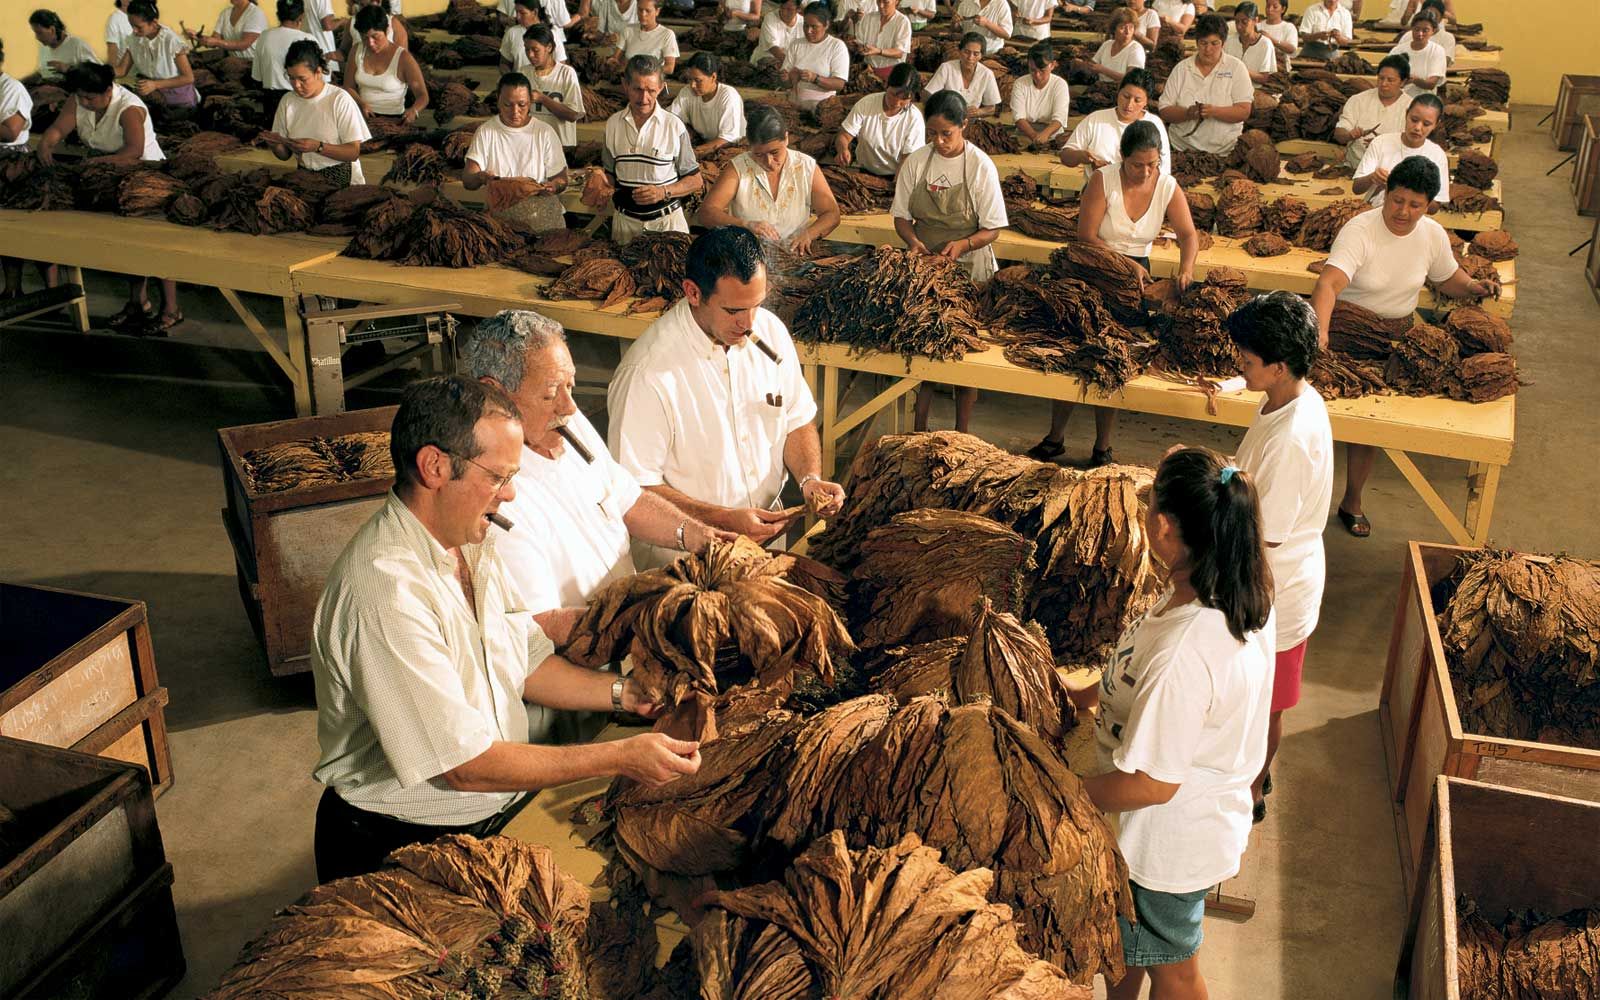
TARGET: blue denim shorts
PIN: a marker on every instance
(1168, 927)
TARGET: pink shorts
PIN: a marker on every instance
(1286, 677)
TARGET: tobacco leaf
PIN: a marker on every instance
(1339, 376)
(898, 302)
(1266, 245)
(1323, 224)
(28, 185)
(433, 232)
(1203, 209)
(1527, 955)
(1239, 208)
(657, 262)
(1494, 245)
(1470, 200)
(1285, 216)
(992, 137)
(1190, 167)
(1358, 332)
(318, 461)
(858, 192)
(1118, 279)
(1302, 163)
(1058, 223)
(417, 164)
(1478, 331)
(1475, 169)
(1423, 362)
(1256, 155)
(1058, 325)
(1192, 339)
(1484, 377)
(1491, 86)
(598, 279)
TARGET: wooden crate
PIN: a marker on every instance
(77, 671)
(1578, 96)
(1504, 848)
(1422, 733)
(87, 903)
(1586, 169)
(285, 543)
(1591, 264)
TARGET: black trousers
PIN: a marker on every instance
(351, 841)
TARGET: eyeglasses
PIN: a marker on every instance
(499, 480)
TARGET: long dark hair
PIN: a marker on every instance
(1219, 518)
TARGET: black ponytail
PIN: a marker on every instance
(1215, 507)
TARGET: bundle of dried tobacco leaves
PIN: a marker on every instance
(1494, 245)
(417, 164)
(1527, 956)
(1339, 376)
(1470, 200)
(1202, 208)
(1118, 279)
(1240, 208)
(1491, 86)
(30, 186)
(1521, 634)
(1475, 169)
(600, 279)
(1058, 223)
(1358, 332)
(1196, 342)
(433, 232)
(1484, 377)
(1190, 167)
(657, 262)
(1058, 325)
(1324, 224)
(870, 923)
(1256, 155)
(992, 137)
(1285, 216)
(1424, 362)
(858, 192)
(1266, 245)
(318, 461)
(1478, 331)
(896, 301)
(459, 917)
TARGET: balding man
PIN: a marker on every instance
(580, 508)
(424, 652)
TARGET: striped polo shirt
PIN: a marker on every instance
(658, 152)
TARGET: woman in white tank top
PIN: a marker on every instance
(1123, 208)
(772, 190)
(383, 70)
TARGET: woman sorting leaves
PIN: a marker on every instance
(1182, 728)
(947, 202)
(58, 50)
(519, 157)
(967, 75)
(319, 123)
(380, 72)
(775, 192)
(159, 57)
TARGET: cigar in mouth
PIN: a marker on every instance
(499, 520)
(769, 352)
(577, 446)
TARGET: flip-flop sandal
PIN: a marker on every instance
(1100, 457)
(1259, 812)
(1356, 524)
(165, 322)
(131, 315)
(1047, 449)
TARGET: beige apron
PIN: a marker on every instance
(937, 217)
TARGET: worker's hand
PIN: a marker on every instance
(366, 109)
(410, 117)
(59, 66)
(765, 231)
(801, 244)
(954, 249)
(1185, 278)
(791, 77)
(1199, 113)
(754, 523)
(540, 98)
(46, 154)
(917, 246)
(1380, 177)
(1487, 287)
(656, 758)
(650, 194)
(841, 155)
(272, 139)
(697, 536)
(823, 498)
(303, 145)
(146, 87)
(211, 41)
(870, 50)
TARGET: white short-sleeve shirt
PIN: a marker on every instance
(612, 20)
(827, 58)
(1177, 10)
(267, 68)
(254, 22)
(1228, 83)
(983, 92)
(1034, 9)
(1318, 19)
(1262, 57)
(1284, 32)
(118, 30)
(332, 116)
(998, 11)
(73, 51)
(513, 51)
(15, 100)
(777, 35)
(1099, 133)
(708, 422)
(1387, 271)
(1366, 110)
(1186, 703)
(1431, 61)
(411, 682)
(316, 10)
(1288, 455)
(562, 85)
(972, 168)
(1149, 23)
(1385, 151)
(721, 117)
(895, 33)
(157, 58)
(1030, 103)
(883, 143)
(532, 151)
(660, 41)
(1132, 56)
(569, 539)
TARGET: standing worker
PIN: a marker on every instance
(271, 48)
(1184, 707)
(648, 159)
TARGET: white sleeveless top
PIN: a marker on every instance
(1123, 234)
(103, 133)
(788, 210)
(385, 93)
(252, 21)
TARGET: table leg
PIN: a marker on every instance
(78, 309)
(296, 328)
(830, 419)
(1459, 532)
(1483, 486)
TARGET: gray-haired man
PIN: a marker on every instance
(578, 507)
(648, 157)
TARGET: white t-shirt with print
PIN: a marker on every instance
(1186, 703)
(1288, 454)
(882, 142)
(1387, 271)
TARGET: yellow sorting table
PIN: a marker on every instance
(229, 262)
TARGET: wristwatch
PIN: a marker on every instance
(616, 693)
(810, 477)
(682, 545)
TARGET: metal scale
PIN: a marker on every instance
(430, 330)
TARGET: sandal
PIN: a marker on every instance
(131, 314)
(1266, 786)
(1259, 812)
(1356, 524)
(1046, 450)
(1101, 456)
(166, 322)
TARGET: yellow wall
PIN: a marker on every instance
(1539, 46)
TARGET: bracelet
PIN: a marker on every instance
(616, 693)
(682, 546)
(809, 477)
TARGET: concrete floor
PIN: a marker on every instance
(121, 433)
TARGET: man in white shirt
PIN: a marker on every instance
(1324, 28)
(423, 652)
(1209, 95)
(648, 158)
(709, 409)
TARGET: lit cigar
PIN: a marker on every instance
(499, 520)
(769, 352)
(577, 446)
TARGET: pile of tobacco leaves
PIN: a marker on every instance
(1529, 956)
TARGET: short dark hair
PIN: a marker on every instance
(820, 11)
(969, 38)
(1437, 6)
(641, 66)
(1140, 135)
(305, 53)
(1041, 54)
(144, 10)
(50, 21)
(1416, 173)
(1425, 15)
(1141, 78)
(1219, 519)
(1398, 62)
(443, 411)
(1248, 9)
(371, 19)
(947, 104)
(1278, 326)
(904, 77)
(541, 33)
(705, 61)
(1210, 26)
(291, 10)
(513, 80)
(1428, 101)
(724, 252)
(89, 78)
(763, 123)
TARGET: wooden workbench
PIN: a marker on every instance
(229, 262)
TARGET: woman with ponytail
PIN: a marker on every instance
(1183, 716)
